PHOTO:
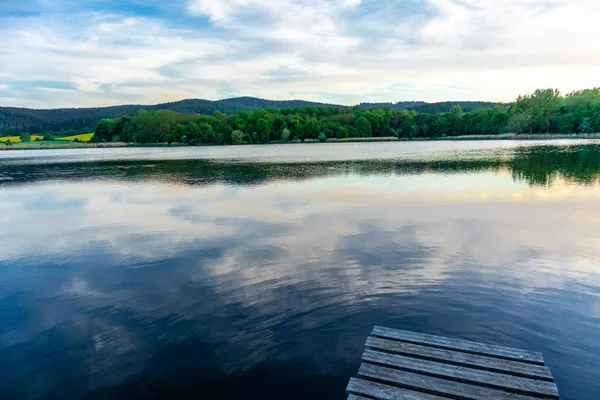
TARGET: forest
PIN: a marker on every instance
(71, 121)
(67, 121)
(544, 111)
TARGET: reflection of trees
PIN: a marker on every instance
(534, 165)
(202, 172)
(542, 165)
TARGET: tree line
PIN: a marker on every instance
(544, 111)
(71, 121)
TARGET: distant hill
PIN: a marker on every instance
(74, 120)
(67, 121)
(431, 108)
(446, 106)
(401, 105)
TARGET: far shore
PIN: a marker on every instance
(506, 136)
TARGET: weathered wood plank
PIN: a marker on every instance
(459, 358)
(358, 387)
(462, 374)
(459, 345)
(435, 386)
(354, 397)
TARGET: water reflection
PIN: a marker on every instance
(536, 165)
(543, 165)
(178, 278)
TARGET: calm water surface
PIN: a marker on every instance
(259, 271)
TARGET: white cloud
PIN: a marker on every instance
(365, 50)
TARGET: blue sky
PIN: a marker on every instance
(75, 53)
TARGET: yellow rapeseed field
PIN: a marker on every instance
(84, 137)
(16, 139)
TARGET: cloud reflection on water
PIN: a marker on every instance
(122, 280)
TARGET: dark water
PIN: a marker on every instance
(259, 271)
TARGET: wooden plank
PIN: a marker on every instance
(358, 387)
(353, 397)
(435, 386)
(459, 358)
(466, 346)
(496, 380)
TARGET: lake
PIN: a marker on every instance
(258, 271)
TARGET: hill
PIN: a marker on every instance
(446, 106)
(14, 120)
(400, 105)
(69, 121)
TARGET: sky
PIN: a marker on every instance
(79, 53)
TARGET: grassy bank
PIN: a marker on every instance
(504, 136)
(523, 136)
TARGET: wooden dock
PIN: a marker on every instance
(406, 365)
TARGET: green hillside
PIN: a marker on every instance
(73, 121)
(69, 121)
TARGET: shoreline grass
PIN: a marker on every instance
(504, 136)
(524, 136)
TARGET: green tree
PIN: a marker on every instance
(343, 132)
(414, 131)
(25, 137)
(533, 113)
(215, 137)
(285, 134)
(297, 130)
(164, 122)
(178, 132)
(264, 129)
(192, 132)
(105, 130)
(237, 137)
(520, 123)
(586, 126)
(311, 129)
(364, 127)
(127, 129)
(544, 103)
(497, 120)
(206, 132)
(220, 116)
(279, 125)
(456, 112)
(455, 121)
(238, 123)
(377, 121)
